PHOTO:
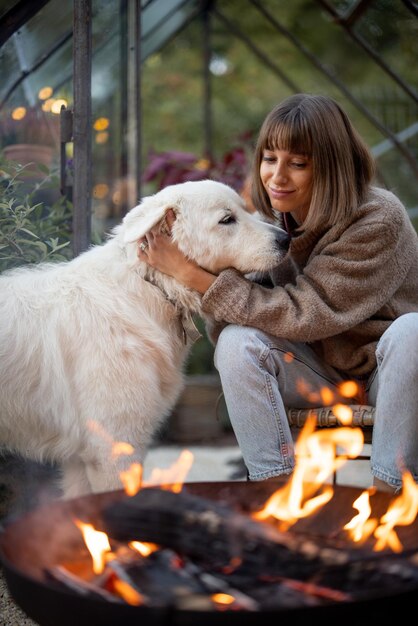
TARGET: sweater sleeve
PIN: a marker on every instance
(348, 281)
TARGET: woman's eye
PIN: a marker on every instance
(299, 165)
(228, 219)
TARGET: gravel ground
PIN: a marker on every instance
(10, 613)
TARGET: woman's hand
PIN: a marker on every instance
(160, 252)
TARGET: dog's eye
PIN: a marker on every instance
(228, 219)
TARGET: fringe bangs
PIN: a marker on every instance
(290, 133)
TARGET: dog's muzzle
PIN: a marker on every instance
(283, 240)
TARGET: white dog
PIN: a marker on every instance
(92, 350)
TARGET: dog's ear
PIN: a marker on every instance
(141, 219)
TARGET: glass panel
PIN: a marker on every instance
(161, 20)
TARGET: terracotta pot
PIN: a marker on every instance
(199, 415)
(28, 153)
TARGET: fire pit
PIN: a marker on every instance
(47, 537)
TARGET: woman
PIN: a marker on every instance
(342, 305)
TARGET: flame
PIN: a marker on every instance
(223, 598)
(402, 511)
(173, 477)
(360, 527)
(97, 544)
(344, 413)
(143, 547)
(121, 447)
(117, 448)
(327, 396)
(348, 389)
(316, 461)
(128, 593)
(132, 479)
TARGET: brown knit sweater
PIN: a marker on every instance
(338, 290)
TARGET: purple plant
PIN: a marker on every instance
(172, 167)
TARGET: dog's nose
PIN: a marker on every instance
(283, 239)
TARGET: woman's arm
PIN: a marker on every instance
(163, 254)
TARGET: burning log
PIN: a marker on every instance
(373, 574)
(159, 582)
(216, 536)
(67, 579)
(241, 551)
(160, 578)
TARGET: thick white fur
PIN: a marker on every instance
(91, 350)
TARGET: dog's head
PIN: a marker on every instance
(212, 227)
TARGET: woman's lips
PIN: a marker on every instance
(279, 193)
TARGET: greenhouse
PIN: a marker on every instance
(185, 83)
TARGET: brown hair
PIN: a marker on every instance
(342, 165)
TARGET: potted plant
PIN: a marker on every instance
(29, 135)
(31, 231)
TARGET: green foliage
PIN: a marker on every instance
(31, 230)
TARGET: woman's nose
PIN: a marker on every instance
(279, 173)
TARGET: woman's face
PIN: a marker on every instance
(287, 179)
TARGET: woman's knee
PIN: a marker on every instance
(402, 333)
(397, 349)
(231, 346)
(240, 347)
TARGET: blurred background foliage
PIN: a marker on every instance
(244, 89)
(294, 39)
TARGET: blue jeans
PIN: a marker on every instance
(260, 378)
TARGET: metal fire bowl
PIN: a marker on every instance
(47, 536)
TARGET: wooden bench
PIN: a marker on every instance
(363, 417)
